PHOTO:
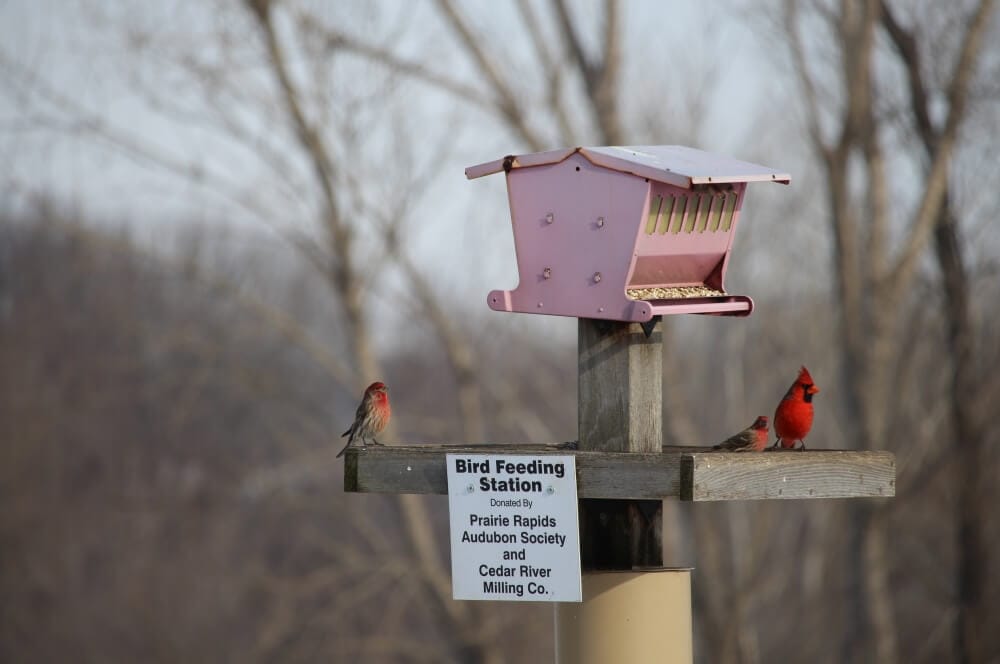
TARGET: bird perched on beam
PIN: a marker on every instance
(794, 416)
(371, 417)
(751, 439)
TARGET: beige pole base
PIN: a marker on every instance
(636, 617)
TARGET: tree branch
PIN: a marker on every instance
(508, 104)
(906, 45)
(582, 62)
(600, 77)
(805, 80)
(554, 73)
(605, 92)
(335, 40)
(937, 177)
(341, 235)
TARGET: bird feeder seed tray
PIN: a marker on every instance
(624, 233)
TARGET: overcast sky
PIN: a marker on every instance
(65, 44)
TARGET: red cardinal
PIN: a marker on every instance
(371, 417)
(751, 439)
(794, 416)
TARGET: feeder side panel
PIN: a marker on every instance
(685, 236)
(574, 232)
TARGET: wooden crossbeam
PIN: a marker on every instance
(709, 476)
(688, 473)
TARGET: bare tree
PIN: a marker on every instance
(850, 131)
(967, 423)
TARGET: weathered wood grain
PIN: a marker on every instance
(691, 473)
(709, 476)
(620, 409)
(620, 386)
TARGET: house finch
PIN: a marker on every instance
(794, 415)
(751, 439)
(371, 417)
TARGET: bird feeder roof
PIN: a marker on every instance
(673, 164)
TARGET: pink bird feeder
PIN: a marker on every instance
(624, 233)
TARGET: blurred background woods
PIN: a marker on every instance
(221, 220)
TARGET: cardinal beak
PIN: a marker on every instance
(813, 389)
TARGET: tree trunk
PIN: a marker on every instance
(971, 573)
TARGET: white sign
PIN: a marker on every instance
(515, 533)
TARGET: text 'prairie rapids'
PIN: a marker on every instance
(509, 476)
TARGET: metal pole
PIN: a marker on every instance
(636, 617)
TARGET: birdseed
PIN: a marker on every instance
(672, 293)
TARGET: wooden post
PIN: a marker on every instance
(620, 385)
(624, 609)
(620, 388)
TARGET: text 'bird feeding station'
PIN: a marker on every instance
(624, 233)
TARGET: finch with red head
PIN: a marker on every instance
(751, 439)
(794, 416)
(371, 417)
